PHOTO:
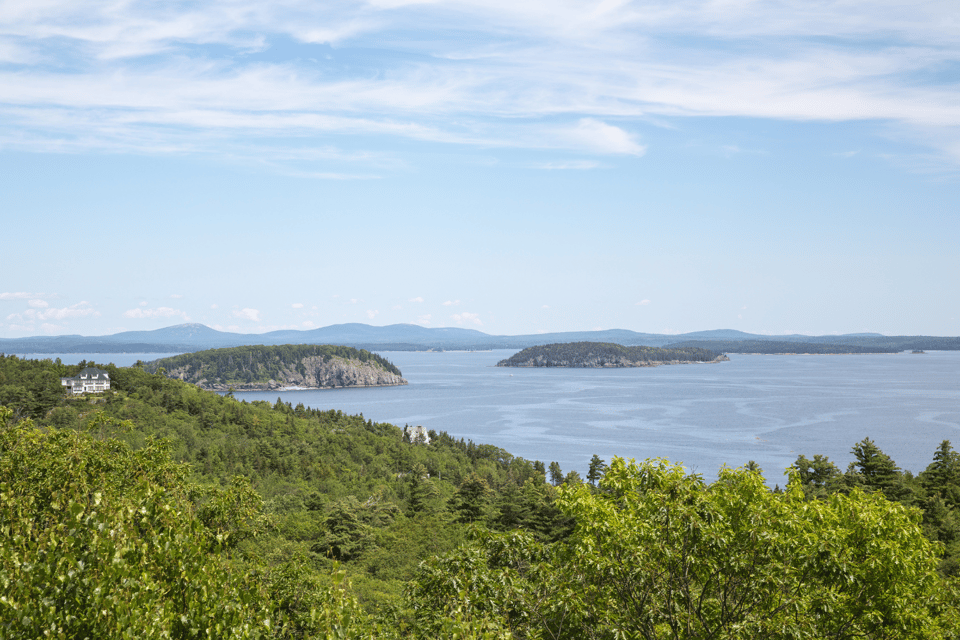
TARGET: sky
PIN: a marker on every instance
(776, 167)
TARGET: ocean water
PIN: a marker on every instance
(768, 409)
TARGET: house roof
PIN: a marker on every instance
(92, 372)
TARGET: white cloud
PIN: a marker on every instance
(51, 329)
(176, 296)
(643, 302)
(38, 304)
(79, 310)
(417, 299)
(20, 295)
(248, 314)
(597, 136)
(297, 305)
(451, 303)
(143, 304)
(159, 312)
(79, 80)
(466, 317)
(371, 313)
(309, 324)
(424, 319)
(546, 306)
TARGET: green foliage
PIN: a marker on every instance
(259, 363)
(788, 347)
(99, 542)
(657, 553)
(603, 354)
(240, 513)
(818, 477)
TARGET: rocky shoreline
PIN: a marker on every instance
(314, 372)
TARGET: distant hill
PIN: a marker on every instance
(605, 355)
(276, 367)
(409, 337)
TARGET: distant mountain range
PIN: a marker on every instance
(409, 337)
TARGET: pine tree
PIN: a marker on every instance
(597, 467)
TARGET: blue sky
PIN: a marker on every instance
(774, 167)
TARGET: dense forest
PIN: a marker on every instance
(781, 346)
(259, 365)
(604, 354)
(161, 510)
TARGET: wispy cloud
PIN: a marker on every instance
(247, 314)
(466, 318)
(601, 137)
(79, 310)
(172, 78)
(159, 312)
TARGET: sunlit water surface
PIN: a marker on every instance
(763, 408)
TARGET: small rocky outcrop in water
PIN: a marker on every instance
(606, 355)
(263, 368)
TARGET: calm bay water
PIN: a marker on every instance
(764, 408)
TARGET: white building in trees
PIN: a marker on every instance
(89, 380)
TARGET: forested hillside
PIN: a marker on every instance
(252, 520)
(605, 354)
(782, 346)
(276, 367)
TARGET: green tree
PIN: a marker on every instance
(597, 467)
(944, 472)
(657, 553)
(556, 474)
(876, 471)
(473, 500)
(98, 541)
(818, 477)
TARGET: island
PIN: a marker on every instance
(606, 355)
(280, 367)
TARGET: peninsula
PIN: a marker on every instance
(267, 368)
(606, 355)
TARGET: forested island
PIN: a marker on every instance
(606, 354)
(265, 368)
(158, 509)
(783, 347)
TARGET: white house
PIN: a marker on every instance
(89, 380)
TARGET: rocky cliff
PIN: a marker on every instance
(282, 367)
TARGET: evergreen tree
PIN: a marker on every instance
(597, 467)
(472, 500)
(876, 471)
(943, 471)
(556, 474)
